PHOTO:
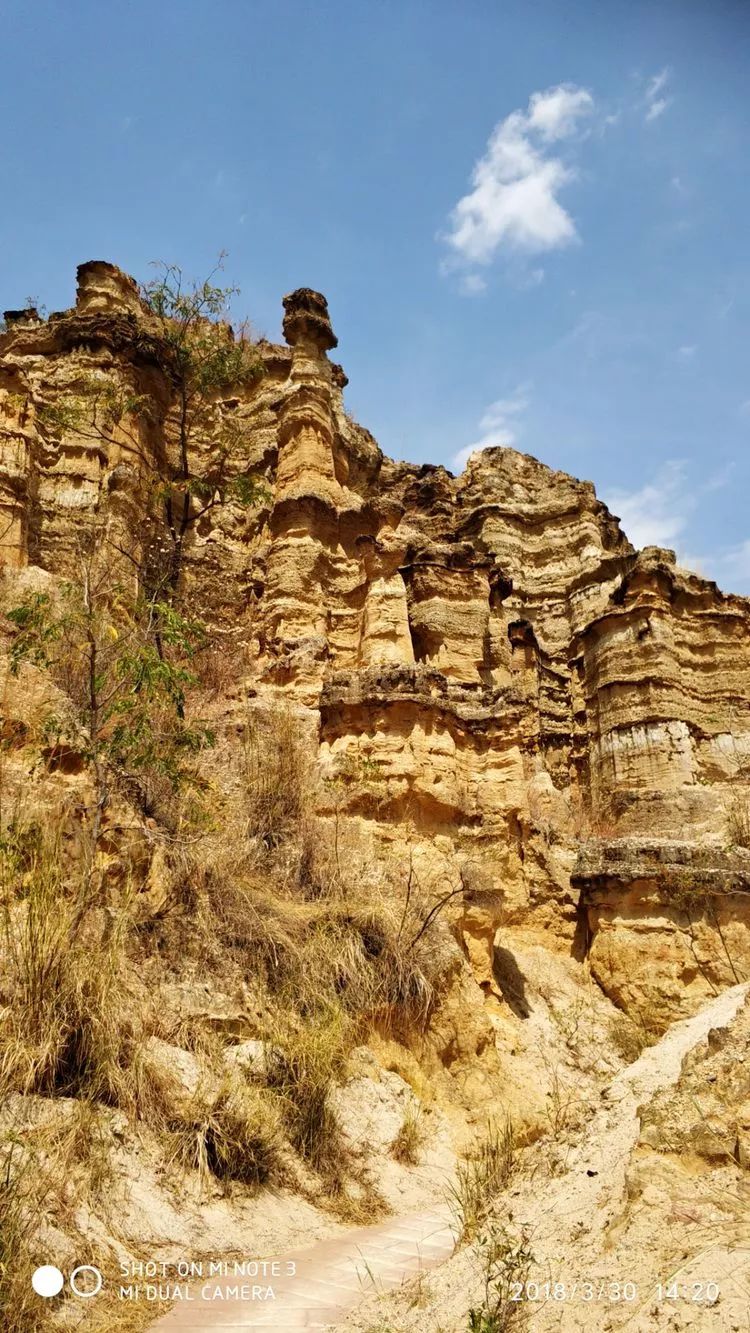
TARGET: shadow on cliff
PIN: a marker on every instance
(511, 982)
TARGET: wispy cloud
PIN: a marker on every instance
(656, 101)
(736, 563)
(657, 108)
(730, 567)
(472, 284)
(498, 426)
(657, 513)
(513, 202)
(687, 352)
(721, 478)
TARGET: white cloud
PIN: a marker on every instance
(657, 513)
(555, 113)
(472, 284)
(654, 104)
(719, 479)
(656, 109)
(533, 278)
(736, 561)
(657, 83)
(729, 568)
(498, 426)
(514, 201)
(687, 352)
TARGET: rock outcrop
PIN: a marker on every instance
(499, 682)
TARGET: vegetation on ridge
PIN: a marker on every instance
(201, 459)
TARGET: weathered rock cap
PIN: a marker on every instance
(26, 318)
(105, 287)
(306, 319)
(657, 555)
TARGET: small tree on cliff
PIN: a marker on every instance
(206, 357)
(126, 717)
(202, 460)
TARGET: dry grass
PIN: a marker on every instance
(563, 1104)
(409, 1141)
(54, 1157)
(278, 780)
(481, 1177)
(220, 668)
(738, 820)
(265, 900)
(304, 1061)
(236, 1138)
(589, 823)
(630, 1037)
(327, 969)
(70, 1027)
(19, 1192)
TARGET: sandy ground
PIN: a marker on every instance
(580, 1231)
(571, 1202)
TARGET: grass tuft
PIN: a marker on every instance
(71, 1027)
(738, 820)
(304, 1061)
(480, 1179)
(237, 1138)
(409, 1140)
(18, 1305)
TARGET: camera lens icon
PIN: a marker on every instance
(85, 1281)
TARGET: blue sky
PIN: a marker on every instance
(530, 217)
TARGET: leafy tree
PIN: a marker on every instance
(127, 693)
(206, 357)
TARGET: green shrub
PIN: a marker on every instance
(506, 1262)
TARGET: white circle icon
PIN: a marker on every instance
(86, 1268)
(47, 1280)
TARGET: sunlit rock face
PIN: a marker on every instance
(500, 684)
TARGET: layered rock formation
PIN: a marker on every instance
(499, 683)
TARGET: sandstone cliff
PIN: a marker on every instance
(500, 687)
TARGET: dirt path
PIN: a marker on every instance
(329, 1278)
